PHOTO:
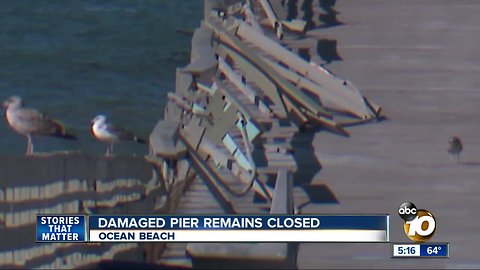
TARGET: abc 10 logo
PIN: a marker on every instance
(419, 225)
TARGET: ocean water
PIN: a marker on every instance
(76, 59)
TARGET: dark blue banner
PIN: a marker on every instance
(61, 228)
(434, 250)
(240, 222)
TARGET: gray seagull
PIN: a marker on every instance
(455, 147)
(111, 134)
(30, 122)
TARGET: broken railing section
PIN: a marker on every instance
(276, 17)
(218, 148)
(282, 94)
(225, 143)
(168, 153)
(292, 75)
(235, 112)
(238, 82)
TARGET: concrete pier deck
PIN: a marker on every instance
(419, 60)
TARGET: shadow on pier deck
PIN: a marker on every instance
(72, 183)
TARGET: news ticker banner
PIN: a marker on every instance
(213, 228)
(423, 250)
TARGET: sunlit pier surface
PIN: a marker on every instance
(322, 107)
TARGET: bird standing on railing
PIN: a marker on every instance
(30, 122)
(455, 147)
(111, 134)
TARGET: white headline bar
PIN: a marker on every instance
(238, 236)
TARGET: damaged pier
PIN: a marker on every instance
(243, 118)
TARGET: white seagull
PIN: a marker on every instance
(111, 134)
(30, 122)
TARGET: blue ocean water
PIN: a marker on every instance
(76, 59)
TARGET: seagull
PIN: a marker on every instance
(455, 147)
(111, 134)
(30, 122)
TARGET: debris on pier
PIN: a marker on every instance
(240, 109)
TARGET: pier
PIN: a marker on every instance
(286, 107)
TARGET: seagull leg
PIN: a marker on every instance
(29, 145)
(110, 150)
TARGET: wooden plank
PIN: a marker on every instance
(292, 108)
(251, 18)
(283, 84)
(328, 98)
(271, 16)
(238, 105)
(282, 202)
(237, 81)
(310, 70)
(264, 84)
(193, 134)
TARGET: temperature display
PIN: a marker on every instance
(434, 250)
